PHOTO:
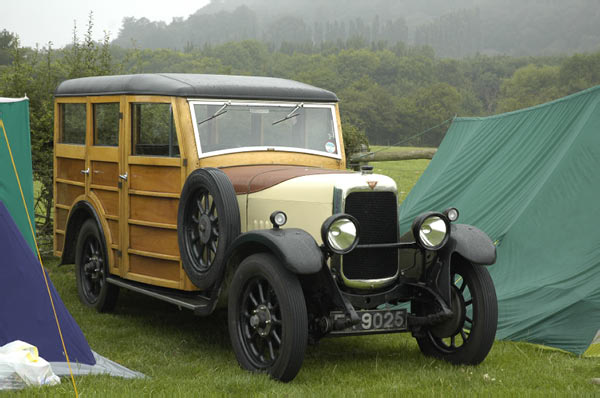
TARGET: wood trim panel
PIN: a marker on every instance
(153, 160)
(70, 169)
(152, 224)
(153, 281)
(154, 267)
(185, 134)
(104, 187)
(67, 193)
(156, 242)
(158, 210)
(148, 98)
(104, 153)
(104, 174)
(154, 194)
(70, 182)
(341, 137)
(72, 151)
(154, 179)
(159, 256)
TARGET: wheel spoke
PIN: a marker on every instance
(467, 319)
(205, 199)
(468, 302)
(453, 341)
(276, 336)
(213, 247)
(271, 351)
(261, 294)
(251, 297)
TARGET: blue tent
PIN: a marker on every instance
(25, 308)
(26, 313)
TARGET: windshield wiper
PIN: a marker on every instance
(218, 113)
(290, 115)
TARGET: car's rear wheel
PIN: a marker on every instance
(268, 323)
(92, 269)
(468, 337)
(208, 220)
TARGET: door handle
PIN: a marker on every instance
(123, 176)
(86, 171)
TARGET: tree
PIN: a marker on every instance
(7, 41)
(530, 85)
(36, 73)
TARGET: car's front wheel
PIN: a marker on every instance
(267, 317)
(468, 337)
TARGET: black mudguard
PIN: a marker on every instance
(80, 212)
(472, 244)
(295, 248)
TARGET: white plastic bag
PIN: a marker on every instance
(21, 365)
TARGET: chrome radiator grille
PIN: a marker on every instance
(377, 214)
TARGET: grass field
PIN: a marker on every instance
(184, 355)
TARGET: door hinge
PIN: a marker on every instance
(120, 115)
(184, 162)
(119, 253)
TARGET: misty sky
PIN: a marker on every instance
(40, 21)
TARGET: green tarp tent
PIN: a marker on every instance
(14, 126)
(531, 180)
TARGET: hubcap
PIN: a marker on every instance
(261, 320)
(453, 334)
(260, 325)
(205, 228)
(453, 325)
(93, 269)
(202, 230)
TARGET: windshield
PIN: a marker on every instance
(223, 127)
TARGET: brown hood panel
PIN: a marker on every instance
(250, 179)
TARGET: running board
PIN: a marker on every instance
(199, 304)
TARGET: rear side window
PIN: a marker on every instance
(106, 124)
(153, 131)
(72, 124)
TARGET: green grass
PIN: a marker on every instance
(184, 355)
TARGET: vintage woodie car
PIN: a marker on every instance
(200, 189)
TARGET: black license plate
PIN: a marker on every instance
(374, 321)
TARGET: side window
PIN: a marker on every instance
(72, 124)
(153, 131)
(106, 124)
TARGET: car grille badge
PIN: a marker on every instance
(372, 184)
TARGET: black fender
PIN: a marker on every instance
(80, 212)
(470, 243)
(295, 248)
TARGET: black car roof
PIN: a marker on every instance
(195, 86)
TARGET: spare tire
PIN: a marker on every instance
(208, 220)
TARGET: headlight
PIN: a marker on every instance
(452, 214)
(340, 233)
(278, 219)
(431, 230)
